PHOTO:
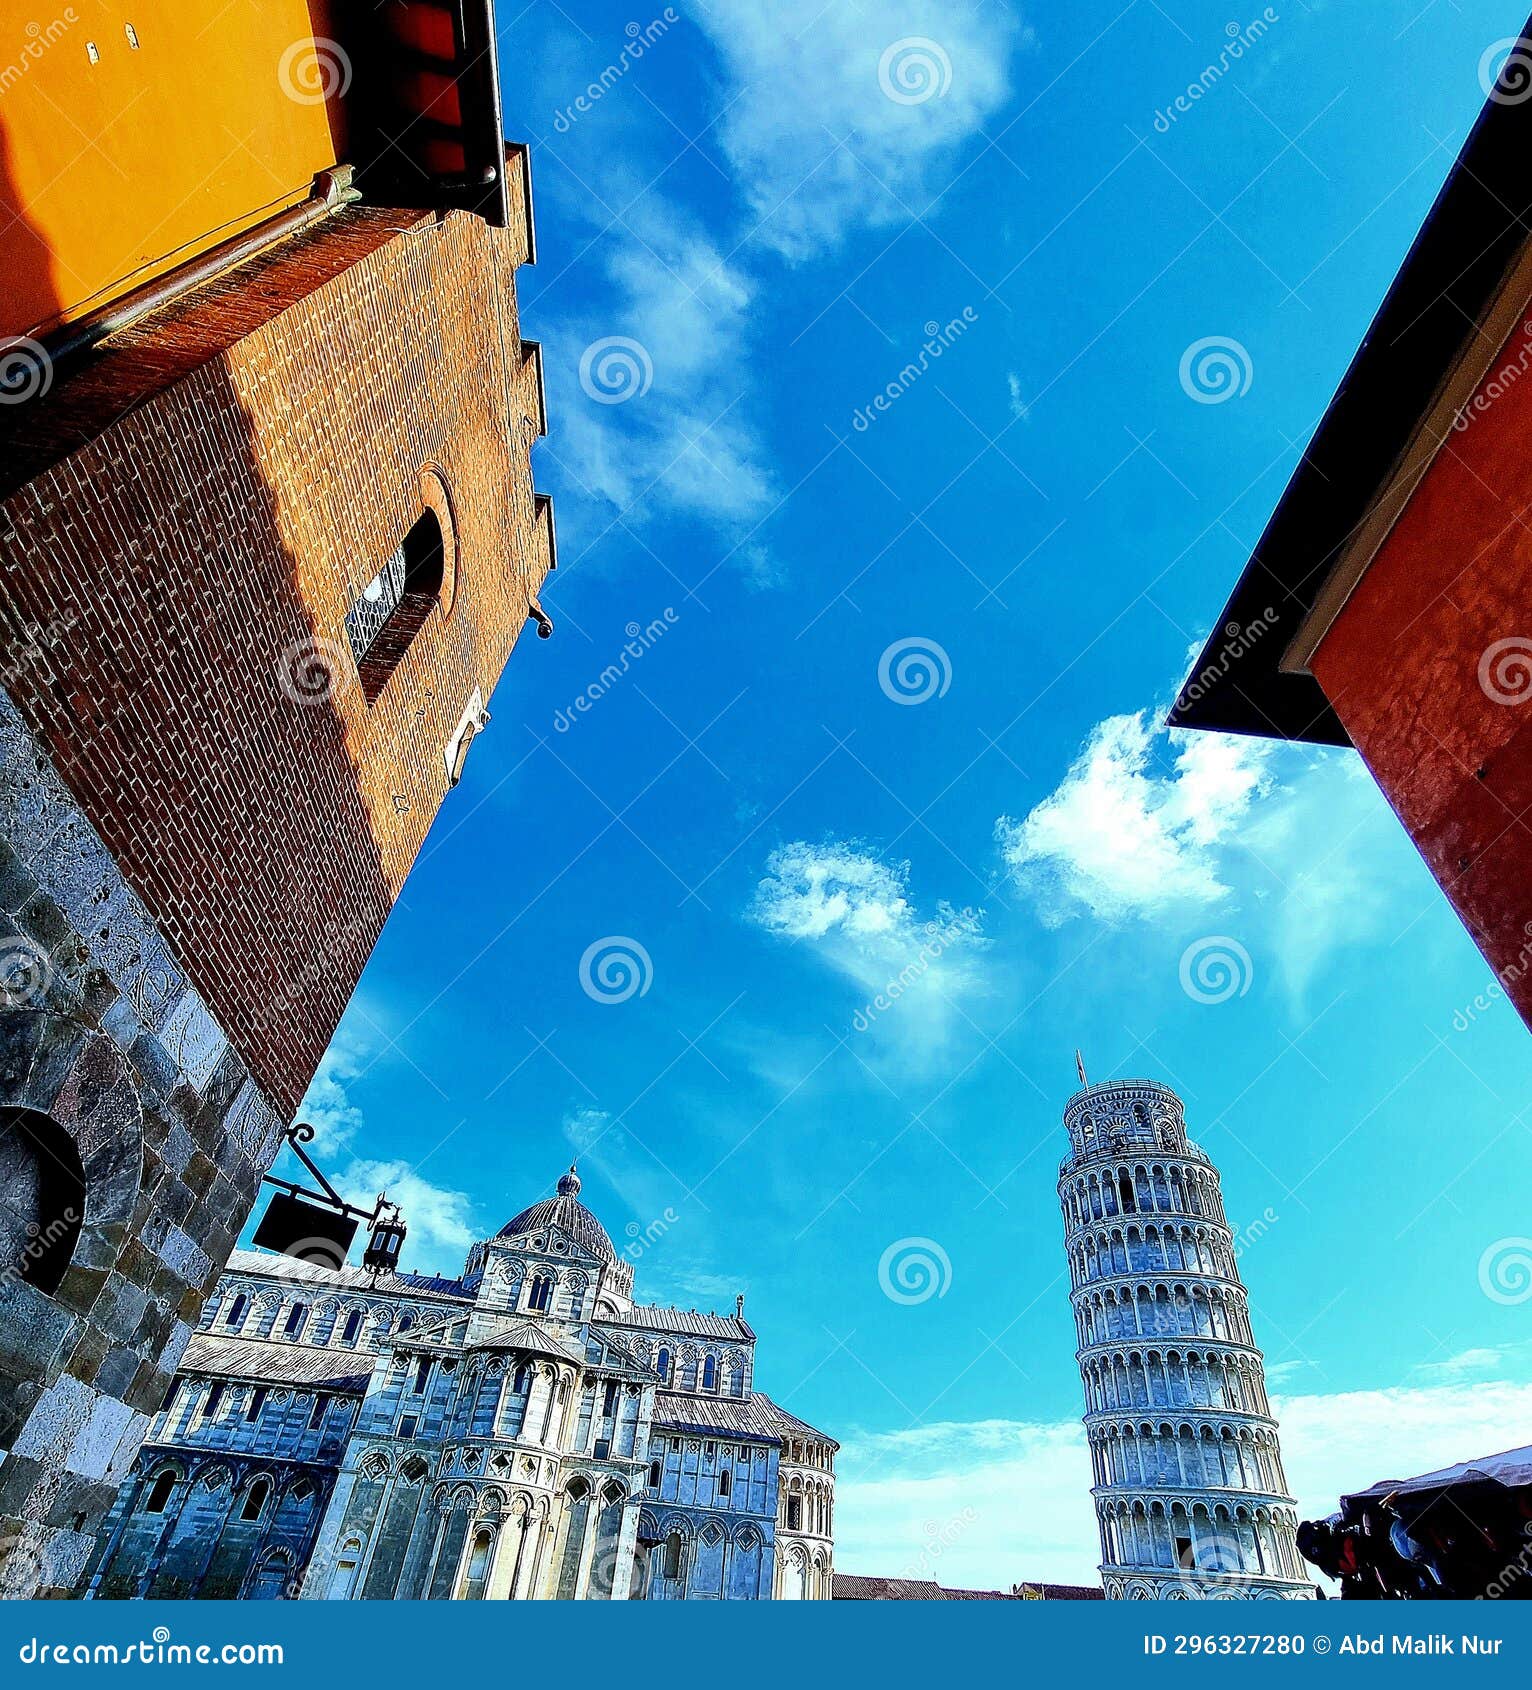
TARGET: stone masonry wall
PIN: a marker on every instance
(101, 1030)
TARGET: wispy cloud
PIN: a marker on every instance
(441, 1221)
(822, 141)
(854, 911)
(682, 441)
(1140, 823)
(832, 125)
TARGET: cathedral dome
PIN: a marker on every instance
(568, 1213)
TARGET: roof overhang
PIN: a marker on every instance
(1459, 295)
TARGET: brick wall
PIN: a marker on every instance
(199, 844)
(174, 584)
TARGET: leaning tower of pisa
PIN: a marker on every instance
(1190, 1495)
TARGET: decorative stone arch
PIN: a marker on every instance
(57, 1071)
(374, 1465)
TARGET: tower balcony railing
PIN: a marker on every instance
(1133, 1150)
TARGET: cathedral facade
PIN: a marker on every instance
(526, 1430)
(1191, 1499)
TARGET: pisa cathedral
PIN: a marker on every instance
(1190, 1495)
(526, 1430)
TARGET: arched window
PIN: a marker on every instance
(710, 1374)
(541, 1294)
(44, 1184)
(352, 1327)
(406, 1323)
(160, 1493)
(475, 1574)
(237, 1310)
(662, 1366)
(794, 1514)
(391, 609)
(670, 1566)
(655, 1471)
(723, 1485)
(297, 1318)
(255, 1500)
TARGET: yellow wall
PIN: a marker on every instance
(115, 169)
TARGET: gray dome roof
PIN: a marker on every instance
(567, 1212)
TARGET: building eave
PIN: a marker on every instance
(1462, 288)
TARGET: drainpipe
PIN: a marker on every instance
(332, 189)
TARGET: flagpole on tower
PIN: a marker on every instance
(1080, 1068)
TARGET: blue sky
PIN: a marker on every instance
(897, 704)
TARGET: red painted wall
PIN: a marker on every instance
(1429, 666)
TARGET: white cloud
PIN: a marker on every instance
(439, 1220)
(327, 1105)
(914, 973)
(1347, 870)
(986, 1504)
(812, 891)
(682, 440)
(817, 144)
(1465, 1364)
(1139, 823)
(1018, 405)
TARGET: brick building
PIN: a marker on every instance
(1387, 605)
(267, 537)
